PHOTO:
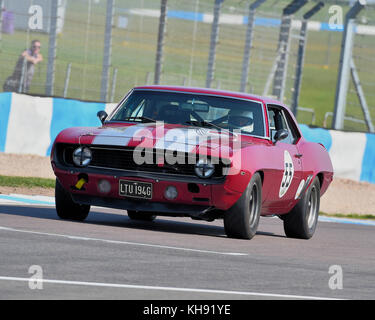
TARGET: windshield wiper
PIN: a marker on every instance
(209, 124)
(144, 119)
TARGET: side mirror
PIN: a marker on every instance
(280, 135)
(102, 115)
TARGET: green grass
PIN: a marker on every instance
(26, 182)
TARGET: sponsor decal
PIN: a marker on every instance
(300, 188)
(118, 136)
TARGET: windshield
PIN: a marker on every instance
(190, 109)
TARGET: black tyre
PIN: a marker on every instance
(242, 219)
(301, 221)
(65, 207)
(140, 215)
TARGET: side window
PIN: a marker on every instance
(277, 122)
(293, 132)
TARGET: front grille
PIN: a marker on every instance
(123, 159)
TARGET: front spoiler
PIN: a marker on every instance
(168, 209)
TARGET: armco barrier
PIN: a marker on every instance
(352, 153)
(29, 125)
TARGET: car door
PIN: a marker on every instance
(286, 162)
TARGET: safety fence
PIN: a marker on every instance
(98, 49)
(29, 125)
(355, 98)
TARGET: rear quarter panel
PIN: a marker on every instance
(316, 161)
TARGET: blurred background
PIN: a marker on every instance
(96, 50)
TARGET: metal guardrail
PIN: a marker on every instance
(347, 118)
(312, 111)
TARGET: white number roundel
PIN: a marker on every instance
(288, 174)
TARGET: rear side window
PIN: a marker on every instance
(292, 128)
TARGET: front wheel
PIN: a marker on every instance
(65, 207)
(242, 219)
(301, 221)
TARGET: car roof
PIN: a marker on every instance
(217, 92)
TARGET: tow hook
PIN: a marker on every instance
(80, 183)
(82, 179)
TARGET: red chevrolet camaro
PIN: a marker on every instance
(202, 153)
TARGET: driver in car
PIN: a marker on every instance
(241, 119)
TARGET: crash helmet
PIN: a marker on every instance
(241, 118)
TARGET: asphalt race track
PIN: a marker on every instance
(111, 257)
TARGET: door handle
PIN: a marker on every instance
(298, 155)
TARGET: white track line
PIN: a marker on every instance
(130, 286)
(123, 242)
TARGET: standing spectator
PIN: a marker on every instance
(24, 70)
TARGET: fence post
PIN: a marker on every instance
(67, 79)
(248, 43)
(361, 96)
(299, 67)
(301, 56)
(107, 50)
(1, 24)
(114, 81)
(283, 49)
(52, 45)
(344, 65)
(160, 44)
(21, 88)
(213, 43)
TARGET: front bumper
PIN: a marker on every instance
(170, 209)
(210, 196)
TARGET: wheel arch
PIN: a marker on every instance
(320, 176)
(261, 173)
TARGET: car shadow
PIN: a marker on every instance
(160, 224)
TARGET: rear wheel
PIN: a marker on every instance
(65, 207)
(140, 215)
(242, 219)
(301, 221)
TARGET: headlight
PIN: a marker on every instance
(204, 168)
(82, 156)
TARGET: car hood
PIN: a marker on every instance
(158, 136)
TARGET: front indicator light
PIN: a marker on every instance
(170, 193)
(104, 186)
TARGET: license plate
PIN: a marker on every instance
(135, 189)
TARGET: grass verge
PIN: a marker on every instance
(349, 216)
(26, 182)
